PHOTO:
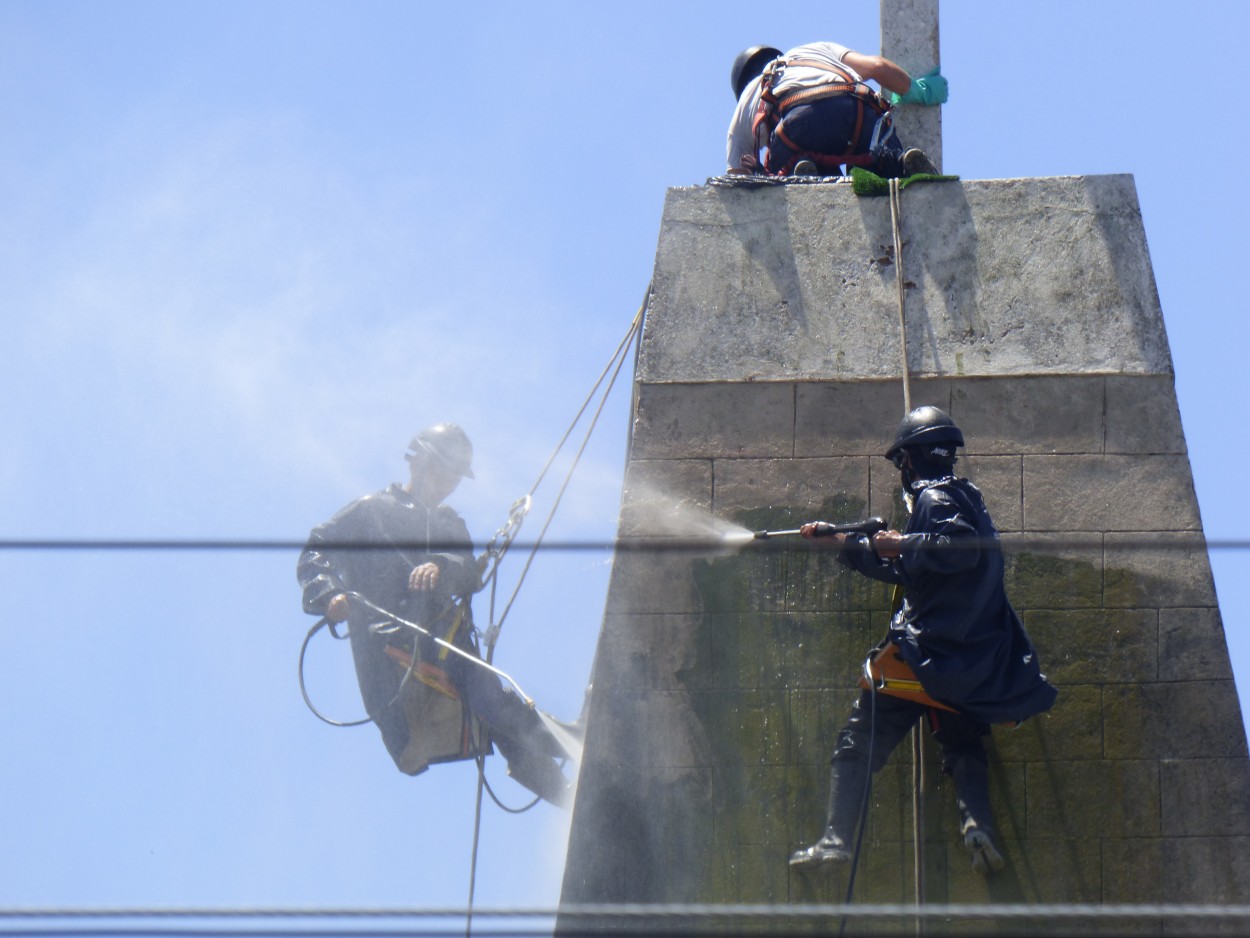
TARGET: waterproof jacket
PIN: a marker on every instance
(370, 548)
(372, 545)
(956, 628)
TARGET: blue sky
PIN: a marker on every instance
(247, 249)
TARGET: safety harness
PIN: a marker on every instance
(886, 672)
(772, 110)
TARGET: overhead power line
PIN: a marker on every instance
(1038, 541)
(612, 919)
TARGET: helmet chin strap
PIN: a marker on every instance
(915, 471)
(909, 475)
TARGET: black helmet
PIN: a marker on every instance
(448, 444)
(749, 63)
(925, 426)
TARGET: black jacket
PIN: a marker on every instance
(392, 534)
(370, 548)
(956, 628)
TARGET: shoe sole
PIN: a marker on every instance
(808, 861)
(984, 857)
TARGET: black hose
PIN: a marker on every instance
(321, 623)
(863, 807)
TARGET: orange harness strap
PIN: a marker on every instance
(845, 85)
(772, 109)
(893, 676)
(428, 674)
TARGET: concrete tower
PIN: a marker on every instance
(770, 377)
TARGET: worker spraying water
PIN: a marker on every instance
(868, 528)
(398, 567)
(697, 529)
(953, 627)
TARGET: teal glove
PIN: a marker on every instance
(929, 89)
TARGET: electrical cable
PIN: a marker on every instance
(619, 920)
(1010, 541)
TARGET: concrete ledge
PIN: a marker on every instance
(797, 282)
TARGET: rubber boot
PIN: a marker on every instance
(847, 779)
(917, 161)
(890, 164)
(978, 833)
(976, 821)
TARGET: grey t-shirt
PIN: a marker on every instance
(742, 141)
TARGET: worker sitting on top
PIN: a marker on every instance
(810, 112)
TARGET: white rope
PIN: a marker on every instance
(917, 746)
(896, 219)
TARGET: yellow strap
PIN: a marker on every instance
(450, 636)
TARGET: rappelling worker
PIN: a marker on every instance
(403, 551)
(810, 111)
(955, 629)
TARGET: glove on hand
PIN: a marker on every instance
(929, 89)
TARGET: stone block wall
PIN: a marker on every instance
(722, 674)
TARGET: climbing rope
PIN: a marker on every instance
(917, 742)
(917, 815)
(491, 637)
(498, 546)
(614, 365)
(896, 222)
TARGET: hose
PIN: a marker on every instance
(303, 649)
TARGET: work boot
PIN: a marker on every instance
(985, 856)
(829, 849)
(971, 775)
(916, 161)
(847, 779)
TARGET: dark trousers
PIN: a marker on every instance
(827, 127)
(881, 722)
(514, 726)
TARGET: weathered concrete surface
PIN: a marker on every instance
(909, 36)
(767, 388)
(1005, 277)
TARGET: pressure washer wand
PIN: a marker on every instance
(471, 658)
(869, 527)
